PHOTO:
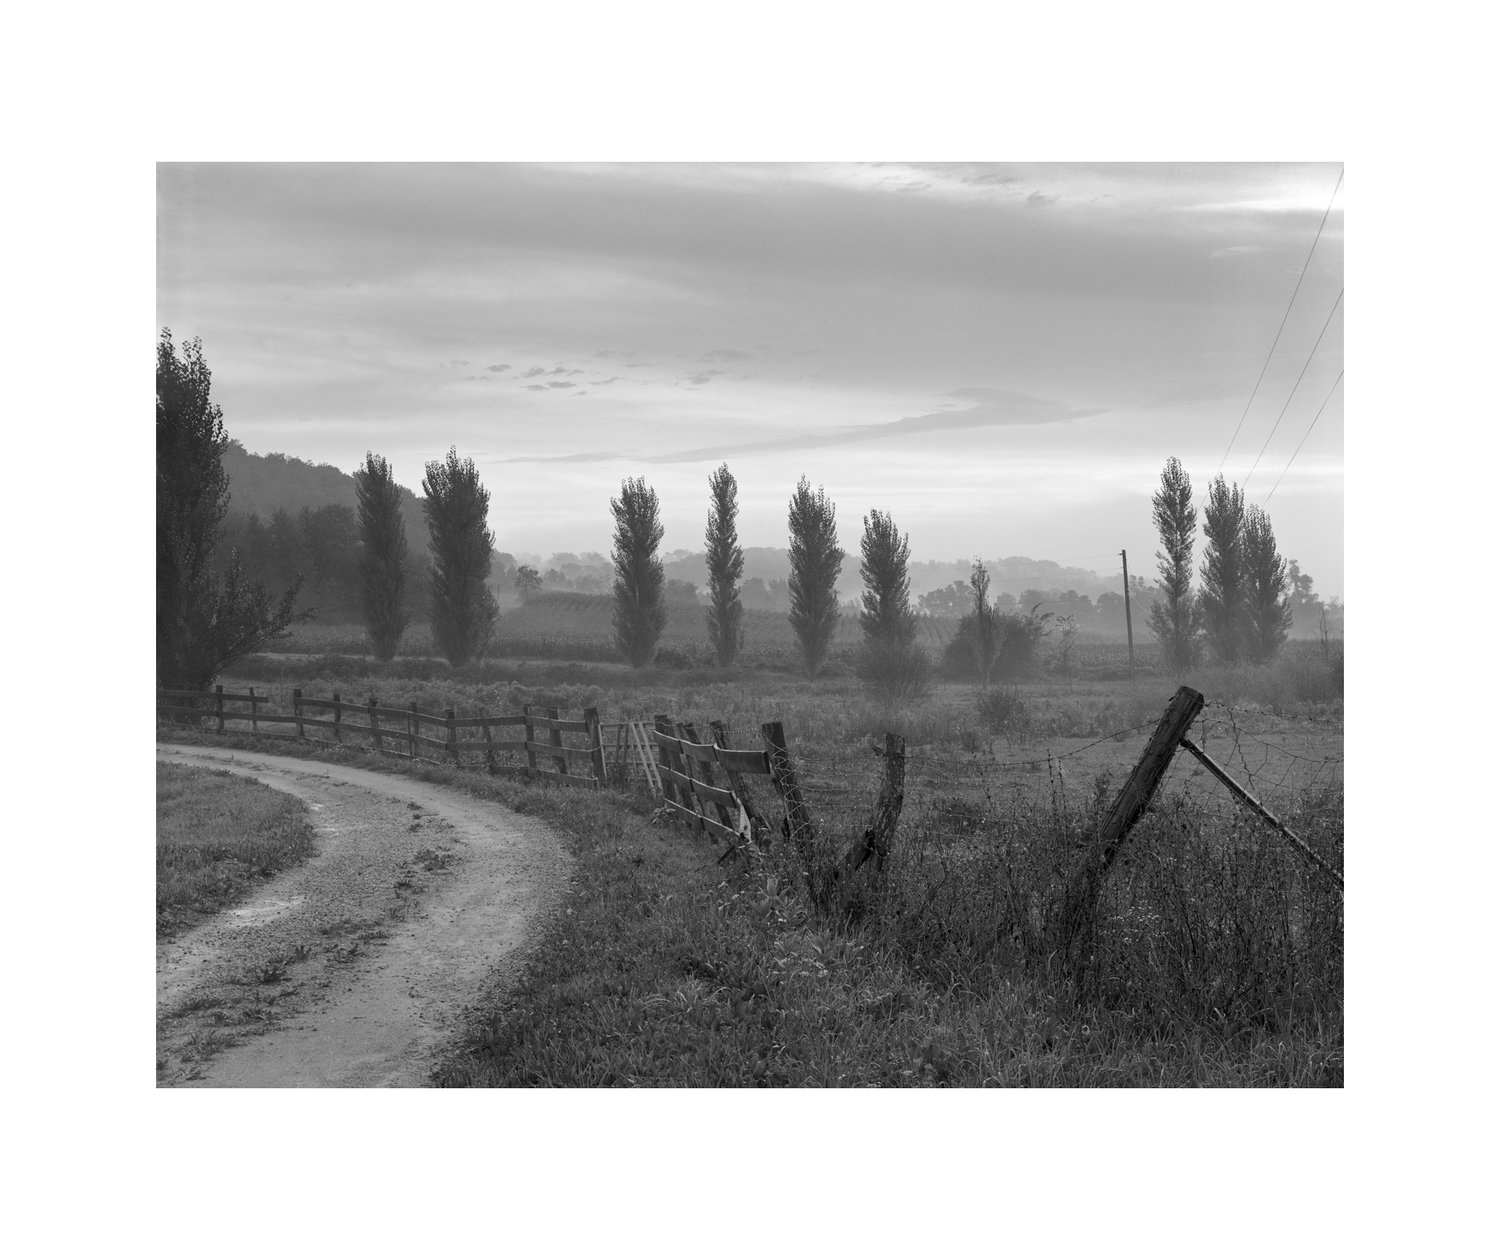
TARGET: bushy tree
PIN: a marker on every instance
(528, 582)
(383, 555)
(204, 621)
(1267, 602)
(1222, 598)
(816, 560)
(457, 507)
(726, 565)
(1175, 615)
(640, 577)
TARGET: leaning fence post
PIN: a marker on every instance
(338, 718)
(297, 711)
(596, 744)
(530, 738)
(737, 784)
(448, 715)
(705, 772)
(375, 724)
(411, 730)
(219, 705)
(1249, 801)
(489, 749)
(254, 715)
(1082, 896)
(798, 824)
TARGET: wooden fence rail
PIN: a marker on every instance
(399, 731)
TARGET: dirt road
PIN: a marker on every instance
(358, 966)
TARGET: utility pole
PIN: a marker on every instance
(1129, 633)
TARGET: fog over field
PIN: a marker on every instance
(1001, 356)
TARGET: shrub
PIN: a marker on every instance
(1001, 709)
(897, 672)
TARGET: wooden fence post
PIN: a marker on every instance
(664, 758)
(877, 838)
(254, 715)
(219, 705)
(489, 750)
(530, 738)
(297, 711)
(411, 730)
(596, 744)
(374, 724)
(448, 715)
(1082, 896)
(338, 718)
(554, 736)
(799, 823)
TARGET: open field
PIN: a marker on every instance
(1219, 951)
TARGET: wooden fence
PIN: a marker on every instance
(704, 781)
(541, 751)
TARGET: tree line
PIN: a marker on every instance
(211, 612)
(214, 605)
(1249, 594)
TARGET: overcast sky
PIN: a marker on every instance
(1002, 356)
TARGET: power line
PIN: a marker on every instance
(1282, 326)
(1314, 421)
(1295, 385)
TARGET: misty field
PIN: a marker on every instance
(1219, 951)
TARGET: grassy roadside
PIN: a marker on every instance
(216, 836)
(666, 969)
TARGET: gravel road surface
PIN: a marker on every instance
(358, 967)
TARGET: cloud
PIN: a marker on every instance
(728, 353)
(992, 408)
(535, 371)
(1037, 200)
(705, 377)
(496, 368)
(561, 385)
(537, 386)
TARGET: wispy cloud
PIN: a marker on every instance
(991, 408)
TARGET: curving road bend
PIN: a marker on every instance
(357, 967)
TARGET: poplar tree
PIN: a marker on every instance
(726, 564)
(885, 606)
(890, 661)
(204, 621)
(383, 555)
(1223, 598)
(816, 560)
(1175, 614)
(640, 578)
(1268, 604)
(457, 507)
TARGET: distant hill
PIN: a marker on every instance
(261, 484)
